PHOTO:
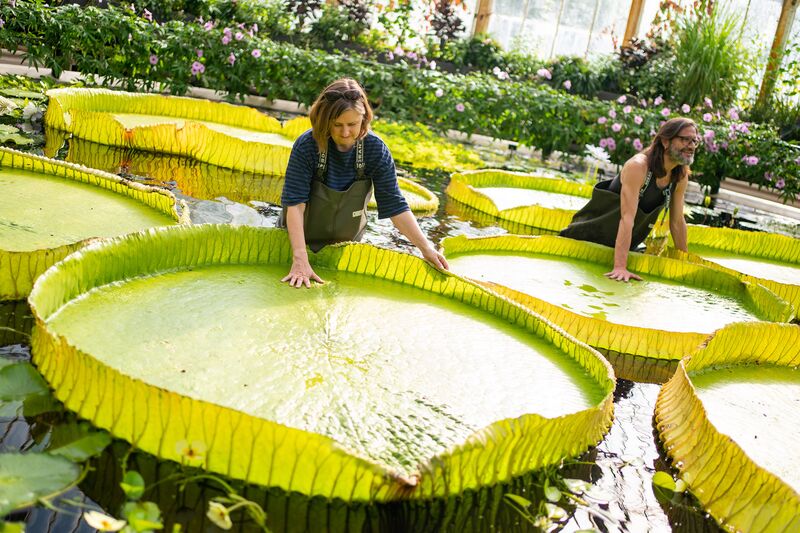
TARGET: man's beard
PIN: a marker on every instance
(680, 157)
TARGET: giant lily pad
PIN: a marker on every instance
(221, 134)
(729, 420)
(49, 209)
(769, 259)
(391, 381)
(644, 328)
(25, 478)
(531, 201)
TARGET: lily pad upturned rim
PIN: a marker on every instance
(651, 344)
(18, 270)
(259, 451)
(736, 491)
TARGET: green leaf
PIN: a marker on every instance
(24, 478)
(20, 380)
(133, 485)
(519, 500)
(77, 442)
(577, 486)
(142, 516)
(554, 512)
(664, 481)
(552, 493)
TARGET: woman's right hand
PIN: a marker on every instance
(301, 274)
(622, 274)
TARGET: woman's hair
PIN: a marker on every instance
(655, 152)
(340, 96)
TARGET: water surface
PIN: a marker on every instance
(508, 197)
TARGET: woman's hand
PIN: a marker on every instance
(301, 274)
(622, 274)
(434, 258)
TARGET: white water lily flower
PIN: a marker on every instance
(597, 153)
(103, 522)
(6, 105)
(31, 112)
(219, 515)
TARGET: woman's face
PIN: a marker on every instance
(345, 129)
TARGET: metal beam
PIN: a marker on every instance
(788, 12)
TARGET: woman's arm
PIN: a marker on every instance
(677, 222)
(632, 178)
(407, 225)
(301, 272)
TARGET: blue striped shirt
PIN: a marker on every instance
(342, 173)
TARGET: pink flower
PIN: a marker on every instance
(544, 73)
(602, 120)
(256, 53)
(199, 52)
(146, 14)
(603, 142)
(627, 109)
(707, 101)
(709, 134)
(780, 184)
(227, 31)
(637, 144)
(390, 55)
(399, 51)
(768, 176)
(198, 68)
(254, 28)
(707, 117)
(226, 39)
(797, 161)
(568, 85)
(658, 100)
(665, 112)
(643, 102)
(231, 59)
(750, 160)
(612, 113)
(439, 93)
(208, 26)
(460, 107)
(733, 113)
(712, 147)
(616, 127)
(612, 144)
(239, 36)
(638, 120)
(2, 22)
(153, 59)
(622, 99)
(685, 108)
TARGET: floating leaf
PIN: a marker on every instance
(133, 485)
(24, 478)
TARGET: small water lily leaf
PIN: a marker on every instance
(22, 93)
(20, 380)
(577, 486)
(133, 485)
(142, 516)
(8, 128)
(12, 527)
(554, 512)
(519, 500)
(552, 493)
(24, 478)
(16, 138)
(664, 481)
(77, 442)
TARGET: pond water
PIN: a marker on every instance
(620, 467)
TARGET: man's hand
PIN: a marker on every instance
(435, 258)
(301, 274)
(621, 274)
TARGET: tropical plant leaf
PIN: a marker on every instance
(221, 134)
(30, 243)
(637, 351)
(465, 188)
(24, 478)
(237, 442)
(23, 391)
(726, 468)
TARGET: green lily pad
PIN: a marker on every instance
(22, 93)
(23, 391)
(24, 478)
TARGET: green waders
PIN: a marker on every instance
(335, 216)
(598, 220)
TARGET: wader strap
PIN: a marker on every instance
(647, 179)
(322, 163)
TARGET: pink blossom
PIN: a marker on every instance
(658, 100)
(768, 176)
(797, 161)
(637, 144)
(665, 112)
(709, 134)
(724, 145)
(643, 102)
(153, 59)
(616, 127)
(638, 120)
(780, 184)
(712, 147)
(685, 108)
(627, 109)
(622, 99)
(707, 101)
(399, 51)
(208, 26)
(254, 28)
(227, 31)
(146, 14)
(612, 144)
(603, 142)
(568, 85)
(198, 68)
(256, 53)
(544, 73)
(199, 52)
(439, 93)
(226, 39)
(232, 58)
(602, 120)
(750, 160)
(239, 36)
(460, 107)
(2, 22)
(612, 113)
(707, 117)
(733, 113)
(390, 55)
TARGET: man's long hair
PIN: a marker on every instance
(655, 152)
(342, 95)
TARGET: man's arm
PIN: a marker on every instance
(407, 225)
(677, 222)
(301, 272)
(632, 178)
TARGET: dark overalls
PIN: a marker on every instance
(598, 220)
(335, 216)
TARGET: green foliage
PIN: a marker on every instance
(479, 52)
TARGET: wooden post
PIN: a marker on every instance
(776, 53)
(634, 19)
(483, 16)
